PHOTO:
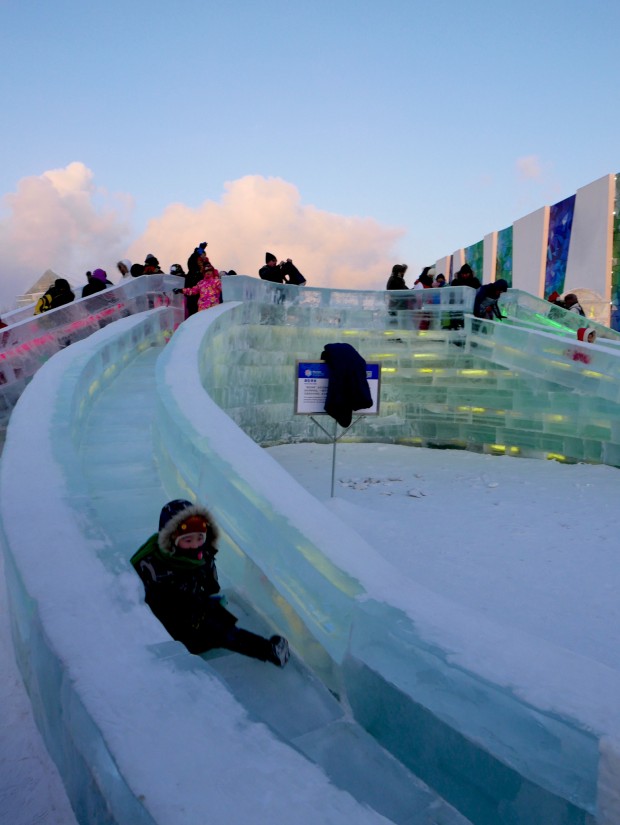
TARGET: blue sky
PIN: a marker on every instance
(445, 120)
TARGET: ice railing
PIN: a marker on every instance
(404, 309)
(426, 690)
(523, 308)
(77, 741)
(30, 340)
(592, 369)
(435, 390)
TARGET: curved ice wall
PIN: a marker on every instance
(141, 730)
(497, 751)
(441, 385)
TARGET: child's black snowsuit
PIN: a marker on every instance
(185, 595)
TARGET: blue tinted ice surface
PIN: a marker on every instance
(129, 714)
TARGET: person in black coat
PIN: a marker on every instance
(62, 293)
(271, 271)
(97, 282)
(284, 272)
(177, 568)
(465, 277)
(485, 303)
(397, 278)
(195, 272)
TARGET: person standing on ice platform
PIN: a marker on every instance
(177, 568)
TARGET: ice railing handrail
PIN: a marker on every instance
(76, 740)
(586, 368)
(427, 308)
(522, 306)
(246, 288)
(30, 342)
(341, 629)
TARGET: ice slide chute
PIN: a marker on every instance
(90, 466)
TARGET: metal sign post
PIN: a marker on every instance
(312, 379)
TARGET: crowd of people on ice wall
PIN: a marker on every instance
(202, 281)
(202, 286)
(487, 296)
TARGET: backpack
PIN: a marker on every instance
(43, 304)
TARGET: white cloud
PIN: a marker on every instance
(529, 167)
(59, 220)
(257, 215)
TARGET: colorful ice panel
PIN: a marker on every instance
(474, 255)
(503, 264)
(560, 225)
(615, 262)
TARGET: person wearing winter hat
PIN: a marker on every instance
(96, 282)
(485, 303)
(465, 277)
(208, 290)
(124, 267)
(586, 334)
(284, 272)
(177, 567)
(151, 265)
(571, 303)
(62, 293)
(271, 271)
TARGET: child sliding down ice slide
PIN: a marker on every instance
(177, 568)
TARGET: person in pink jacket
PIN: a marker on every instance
(209, 289)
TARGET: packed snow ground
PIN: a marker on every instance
(529, 544)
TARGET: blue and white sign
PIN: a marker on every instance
(312, 382)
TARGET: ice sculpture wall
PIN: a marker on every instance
(141, 731)
(437, 391)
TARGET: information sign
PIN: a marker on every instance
(311, 388)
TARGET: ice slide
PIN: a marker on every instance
(110, 709)
(98, 491)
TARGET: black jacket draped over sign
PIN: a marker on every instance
(348, 388)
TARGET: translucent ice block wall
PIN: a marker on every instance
(50, 640)
(495, 751)
(30, 340)
(440, 386)
(528, 310)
